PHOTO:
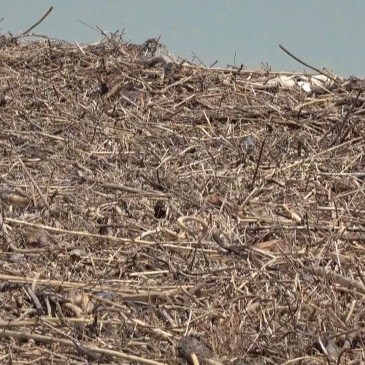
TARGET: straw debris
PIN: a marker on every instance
(157, 211)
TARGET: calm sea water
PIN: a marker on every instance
(323, 33)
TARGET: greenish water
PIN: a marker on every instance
(325, 33)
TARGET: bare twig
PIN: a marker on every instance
(36, 24)
(305, 64)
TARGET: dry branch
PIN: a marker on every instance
(39, 22)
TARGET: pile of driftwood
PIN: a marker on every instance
(157, 211)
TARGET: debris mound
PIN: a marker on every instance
(149, 202)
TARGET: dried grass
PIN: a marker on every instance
(135, 211)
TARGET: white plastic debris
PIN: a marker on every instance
(306, 83)
(248, 142)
